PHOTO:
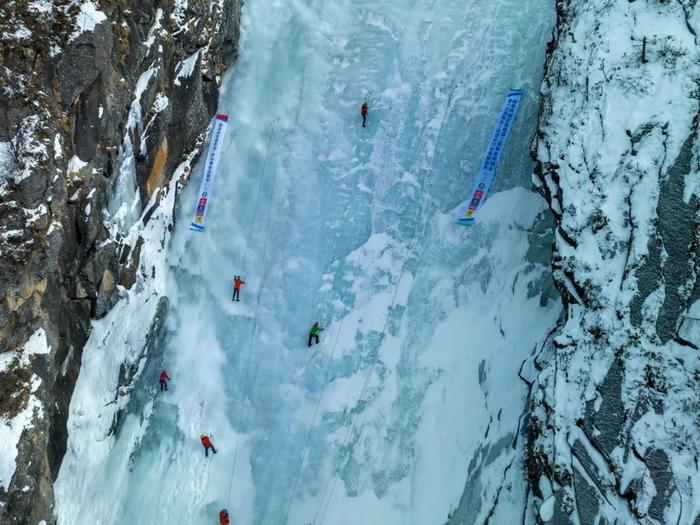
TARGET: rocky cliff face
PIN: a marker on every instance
(615, 420)
(99, 98)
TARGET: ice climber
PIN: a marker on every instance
(315, 329)
(207, 444)
(164, 378)
(237, 283)
(223, 517)
(363, 112)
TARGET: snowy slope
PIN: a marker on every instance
(615, 433)
(409, 411)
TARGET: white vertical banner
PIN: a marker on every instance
(205, 189)
(484, 178)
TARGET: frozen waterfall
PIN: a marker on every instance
(409, 411)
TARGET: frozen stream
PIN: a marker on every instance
(409, 408)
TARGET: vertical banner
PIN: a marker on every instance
(488, 166)
(205, 189)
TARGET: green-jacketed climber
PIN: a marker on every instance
(315, 329)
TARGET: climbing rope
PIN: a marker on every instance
(327, 374)
(327, 377)
(326, 292)
(324, 296)
(365, 385)
(332, 482)
(254, 326)
(257, 196)
(330, 360)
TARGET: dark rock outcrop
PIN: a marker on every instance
(73, 94)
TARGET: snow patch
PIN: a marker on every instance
(154, 28)
(144, 79)
(10, 433)
(88, 18)
(161, 102)
(547, 508)
(6, 161)
(41, 6)
(37, 343)
(21, 33)
(75, 164)
(53, 226)
(186, 67)
(11, 428)
(57, 148)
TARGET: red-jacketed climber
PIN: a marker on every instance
(164, 378)
(223, 517)
(207, 444)
(363, 111)
(237, 283)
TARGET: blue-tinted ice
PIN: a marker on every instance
(427, 322)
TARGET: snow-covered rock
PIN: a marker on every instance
(614, 419)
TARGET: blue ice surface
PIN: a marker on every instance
(302, 186)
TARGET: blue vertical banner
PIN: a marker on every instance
(207, 185)
(484, 178)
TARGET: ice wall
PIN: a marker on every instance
(409, 411)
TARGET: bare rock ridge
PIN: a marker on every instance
(614, 430)
(82, 82)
